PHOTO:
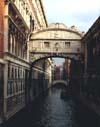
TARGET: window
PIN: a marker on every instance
(46, 44)
(8, 71)
(15, 72)
(67, 44)
(12, 73)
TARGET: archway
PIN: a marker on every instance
(75, 58)
(41, 80)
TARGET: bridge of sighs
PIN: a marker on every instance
(56, 40)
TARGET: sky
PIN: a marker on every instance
(81, 13)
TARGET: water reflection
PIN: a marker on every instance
(51, 111)
(54, 112)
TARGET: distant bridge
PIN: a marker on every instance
(60, 81)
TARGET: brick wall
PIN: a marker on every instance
(1, 27)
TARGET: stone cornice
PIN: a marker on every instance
(10, 57)
(58, 29)
(54, 39)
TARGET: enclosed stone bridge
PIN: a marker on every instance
(55, 40)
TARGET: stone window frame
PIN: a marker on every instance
(47, 44)
(67, 44)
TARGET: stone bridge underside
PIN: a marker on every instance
(56, 40)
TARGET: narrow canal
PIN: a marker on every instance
(51, 111)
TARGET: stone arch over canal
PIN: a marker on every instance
(54, 41)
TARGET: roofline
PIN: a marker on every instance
(55, 29)
(91, 28)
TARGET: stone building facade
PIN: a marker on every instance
(66, 69)
(91, 42)
(18, 19)
(1, 88)
(41, 77)
(1, 28)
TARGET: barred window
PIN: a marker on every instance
(67, 44)
(46, 44)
